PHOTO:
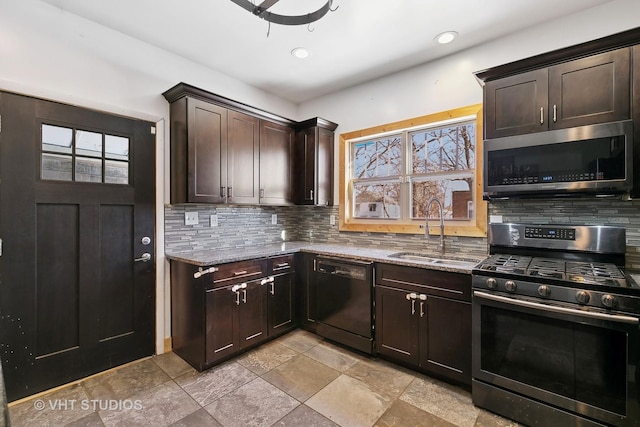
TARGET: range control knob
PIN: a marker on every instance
(583, 297)
(492, 283)
(608, 300)
(510, 285)
(544, 291)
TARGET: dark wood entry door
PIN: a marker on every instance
(77, 207)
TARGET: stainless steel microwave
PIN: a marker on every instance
(587, 160)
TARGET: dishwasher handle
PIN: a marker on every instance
(343, 269)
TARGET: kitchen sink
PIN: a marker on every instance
(428, 259)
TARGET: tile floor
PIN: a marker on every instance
(296, 380)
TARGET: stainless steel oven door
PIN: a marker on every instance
(584, 362)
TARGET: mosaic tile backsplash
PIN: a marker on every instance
(245, 226)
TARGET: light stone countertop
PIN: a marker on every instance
(214, 256)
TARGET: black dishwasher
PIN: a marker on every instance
(344, 301)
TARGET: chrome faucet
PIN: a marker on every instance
(426, 221)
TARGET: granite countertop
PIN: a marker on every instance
(445, 262)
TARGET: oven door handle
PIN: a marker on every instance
(554, 309)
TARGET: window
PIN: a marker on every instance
(83, 156)
(393, 171)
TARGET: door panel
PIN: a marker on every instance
(396, 325)
(243, 158)
(57, 281)
(253, 314)
(222, 324)
(276, 148)
(72, 300)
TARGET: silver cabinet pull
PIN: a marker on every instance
(555, 113)
(282, 265)
(412, 296)
(223, 191)
(273, 288)
(230, 192)
(244, 292)
(239, 273)
(311, 194)
(236, 289)
(201, 272)
(144, 258)
(262, 193)
(541, 115)
(423, 298)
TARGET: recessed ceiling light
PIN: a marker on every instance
(300, 52)
(446, 37)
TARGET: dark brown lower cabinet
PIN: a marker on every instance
(282, 310)
(423, 320)
(220, 314)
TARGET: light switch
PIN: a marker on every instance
(213, 220)
(274, 219)
(191, 218)
(332, 220)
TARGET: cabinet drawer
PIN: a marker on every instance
(238, 272)
(281, 264)
(435, 282)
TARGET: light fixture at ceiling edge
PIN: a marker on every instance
(261, 10)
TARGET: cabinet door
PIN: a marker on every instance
(306, 166)
(282, 304)
(242, 158)
(445, 338)
(397, 323)
(276, 144)
(324, 168)
(516, 105)
(207, 145)
(591, 90)
(222, 338)
(252, 314)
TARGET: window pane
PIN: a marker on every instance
(378, 158)
(455, 195)
(88, 170)
(57, 139)
(376, 200)
(88, 143)
(116, 172)
(443, 149)
(116, 147)
(57, 167)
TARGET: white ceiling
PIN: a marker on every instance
(360, 41)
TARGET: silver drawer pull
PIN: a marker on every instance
(201, 272)
(282, 265)
(239, 273)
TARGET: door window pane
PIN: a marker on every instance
(380, 200)
(56, 167)
(57, 139)
(116, 172)
(88, 143)
(88, 169)
(116, 147)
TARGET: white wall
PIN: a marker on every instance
(52, 54)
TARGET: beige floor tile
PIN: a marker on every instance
(442, 400)
(266, 357)
(333, 356)
(402, 414)
(172, 364)
(125, 382)
(300, 340)
(200, 418)
(382, 377)
(301, 377)
(487, 419)
(256, 404)
(349, 402)
(303, 416)
(54, 409)
(158, 407)
(207, 386)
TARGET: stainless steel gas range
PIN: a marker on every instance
(556, 338)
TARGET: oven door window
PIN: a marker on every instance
(578, 361)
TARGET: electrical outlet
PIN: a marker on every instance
(213, 220)
(191, 218)
(274, 219)
(332, 220)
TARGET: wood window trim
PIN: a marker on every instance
(476, 227)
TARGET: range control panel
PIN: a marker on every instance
(550, 233)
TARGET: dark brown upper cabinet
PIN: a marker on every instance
(276, 163)
(226, 152)
(314, 163)
(589, 90)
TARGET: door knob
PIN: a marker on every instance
(144, 258)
